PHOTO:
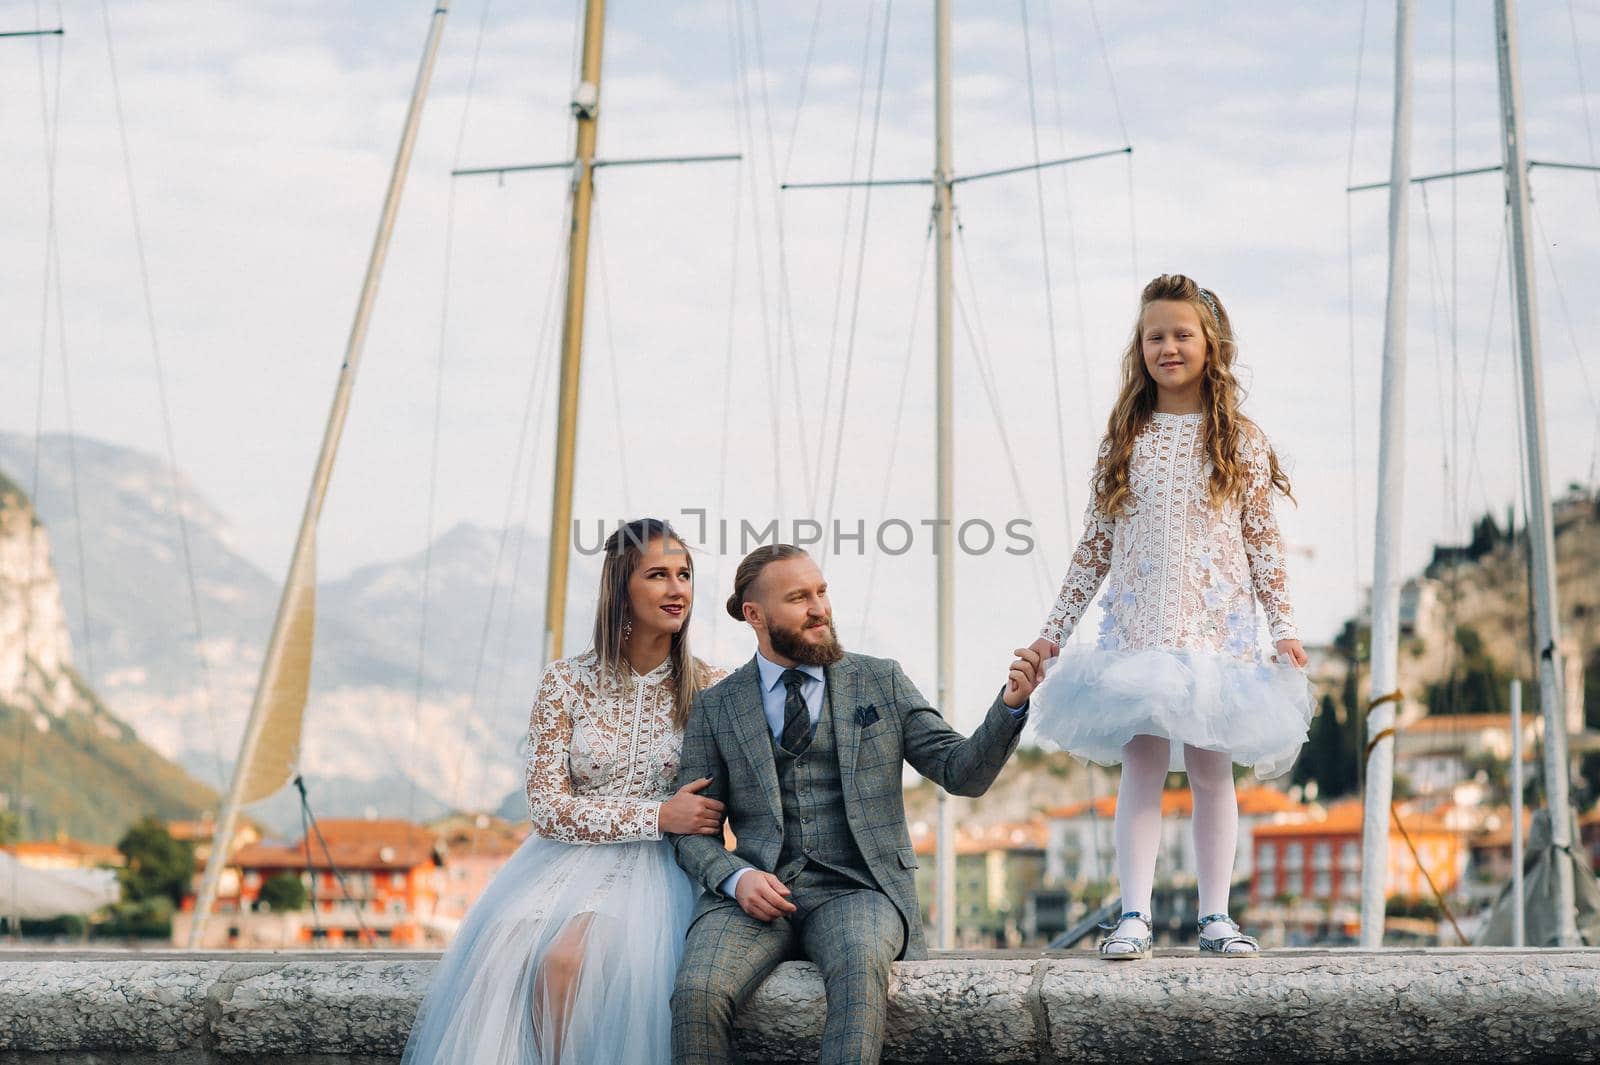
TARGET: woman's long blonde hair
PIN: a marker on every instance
(613, 613)
(1221, 396)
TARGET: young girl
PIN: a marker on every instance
(1181, 529)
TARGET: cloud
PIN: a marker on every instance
(262, 140)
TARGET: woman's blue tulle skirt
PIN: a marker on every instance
(491, 1001)
(1091, 702)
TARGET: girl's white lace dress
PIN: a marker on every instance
(1178, 654)
(602, 758)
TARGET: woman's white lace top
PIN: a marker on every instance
(1180, 574)
(602, 756)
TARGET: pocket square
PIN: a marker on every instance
(866, 715)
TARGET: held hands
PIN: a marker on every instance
(1290, 651)
(1026, 672)
(762, 895)
(688, 813)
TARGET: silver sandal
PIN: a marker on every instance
(1220, 944)
(1140, 944)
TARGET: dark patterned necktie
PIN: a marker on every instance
(796, 716)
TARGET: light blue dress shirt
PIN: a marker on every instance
(773, 693)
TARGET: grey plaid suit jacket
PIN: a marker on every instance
(879, 719)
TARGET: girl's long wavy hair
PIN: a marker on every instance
(1221, 396)
(613, 609)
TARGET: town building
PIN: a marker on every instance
(1081, 849)
(370, 882)
(476, 846)
(1307, 875)
(1440, 751)
(997, 869)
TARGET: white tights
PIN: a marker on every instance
(1216, 821)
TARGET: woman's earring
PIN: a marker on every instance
(627, 628)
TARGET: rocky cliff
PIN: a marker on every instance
(68, 765)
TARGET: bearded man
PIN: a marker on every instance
(804, 746)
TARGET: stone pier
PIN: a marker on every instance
(1322, 1006)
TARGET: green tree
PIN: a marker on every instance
(10, 828)
(1330, 756)
(158, 866)
(1476, 685)
(284, 893)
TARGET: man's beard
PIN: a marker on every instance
(790, 643)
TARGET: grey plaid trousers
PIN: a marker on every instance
(850, 933)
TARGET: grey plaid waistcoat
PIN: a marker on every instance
(815, 828)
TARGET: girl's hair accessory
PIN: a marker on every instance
(1209, 302)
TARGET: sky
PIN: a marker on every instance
(726, 316)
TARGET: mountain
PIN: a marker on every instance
(370, 742)
(70, 765)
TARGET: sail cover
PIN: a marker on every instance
(1539, 894)
(39, 894)
(285, 682)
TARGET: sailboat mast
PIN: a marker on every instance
(280, 695)
(944, 543)
(586, 108)
(1541, 542)
(1385, 639)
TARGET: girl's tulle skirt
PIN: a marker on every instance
(496, 995)
(1091, 702)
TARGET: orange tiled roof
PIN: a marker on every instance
(1254, 800)
(1005, 836)
(352, 843)
(66, 849)
(1344, 819)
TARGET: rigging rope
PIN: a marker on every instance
(438, 411)
(727, 382)
(29, 579)
(1354, 716)
(979, 342)
(861, 265)
(1572, 335)
(1072, 238)
(805, 79)
(1044, 257)
(538, 373)
(161, 393)
(772, 358)
(469, 718)
(1583, 99)
(50, 123)
(785, 303)
(1447, 451)
(840, 273)
(544, 353)
(1116, 104)
(1524, 490)
(621, 441)
(1475, 416)
(899, 414)
(1452, 483)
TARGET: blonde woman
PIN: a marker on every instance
(570, 953)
